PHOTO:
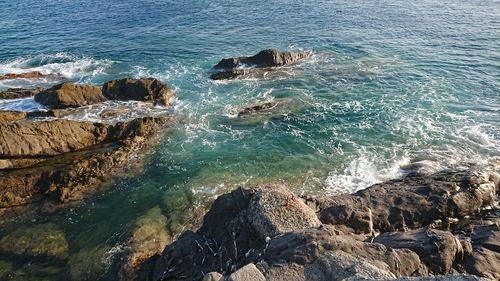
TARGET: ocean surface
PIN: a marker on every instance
(390, 83)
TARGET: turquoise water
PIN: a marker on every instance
(390, 83)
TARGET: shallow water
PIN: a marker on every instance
(391, 82)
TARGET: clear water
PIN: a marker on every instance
(391, 82)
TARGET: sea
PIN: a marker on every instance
(390, 83)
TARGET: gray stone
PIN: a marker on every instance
(248, 272)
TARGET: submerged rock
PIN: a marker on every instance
(67, 95)
(231, 67)
(144, 89)
(19, 93)
(43, 241)
(87, 264)
(149, 238)
(27, 75)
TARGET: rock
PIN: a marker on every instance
(231, 67)
(257, 108)
(67, 95)
(12, 116)
(87, 264)
(45, 241)
(77, 156)
(485, 258)
(442, 278)
(112, 113)
(18, 93)
(437, 249)
(5, 269)
(265, 58)
(247, 272)
(274, 210)
(49, 138)
(149, 238)
(27, 75)
(144, 89)
(211, 276)
(411, 202)
(228, 74)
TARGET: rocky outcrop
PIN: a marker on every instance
(267, 231)
(231, 68)
(18, 93)
(74, 157)
(26, 75)
(265, 58)
(68, 95)
(144, 89)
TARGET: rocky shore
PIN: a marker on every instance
(64, 159)
(444, 225)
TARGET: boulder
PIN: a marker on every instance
(274, 210)
(485, 258)
(68, 95)
(211, 276)
(247, 272)
(437, 249)
(26, 75)
(265, 58)
(231, 68)
(257, 108)
(12, 116)
(144, 89)
(19, 93)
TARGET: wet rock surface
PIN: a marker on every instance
(45, 157)
(69, 95)
(231, 68)
(19, 93)
(26, 75)
(436, 225)
(145, 89)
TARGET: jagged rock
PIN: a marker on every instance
(437, 249)
(112, 113)
(18, 93)
(247, 272)
(412, 202)
(274, 210)
(45, 241)
(211, 276)
(144, 89)
(441, 278)
(149, 238)
(67, 95)
(485, 258)
(73, 165)
(27, 75)
(265, 58)
(12, 116)
(257, 108)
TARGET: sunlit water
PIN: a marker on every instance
(390, 82)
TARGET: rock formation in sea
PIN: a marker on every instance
(230, 68)
(26, 75)
(64, 159)
(19, 93)
(444, 224)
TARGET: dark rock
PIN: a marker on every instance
(67, 95)
(144, 89)
(27, 75)
(232, 67)
(257, 108)
(265, 58)
(19, 93)
(439, 250)
(485, 258)
(411, 202)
